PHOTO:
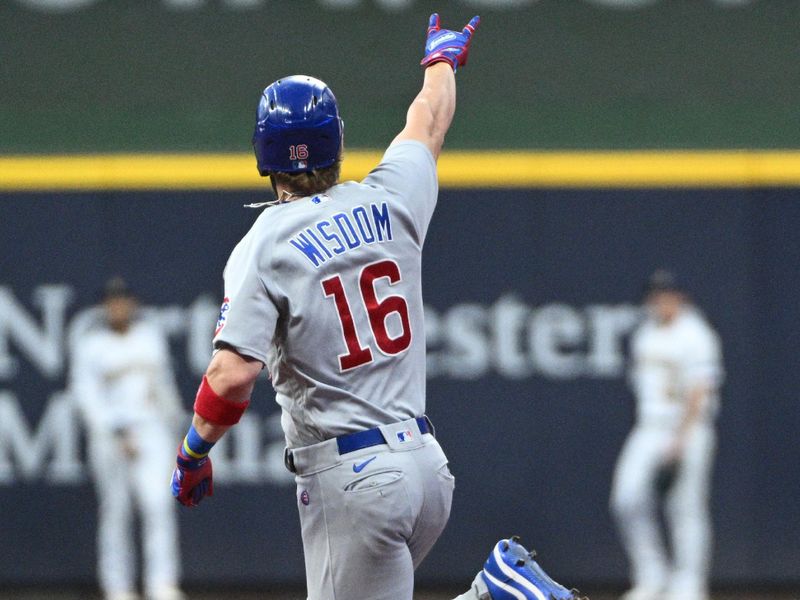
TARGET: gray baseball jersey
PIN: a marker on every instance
(326, 291)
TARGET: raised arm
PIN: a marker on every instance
(431, 112)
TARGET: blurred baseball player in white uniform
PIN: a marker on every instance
(325, 292)
(124, 387)
(676, 374)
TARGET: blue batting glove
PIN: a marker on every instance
(444, 45)
(192, 478)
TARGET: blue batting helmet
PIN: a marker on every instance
(297, 126)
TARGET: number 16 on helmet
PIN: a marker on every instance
(298, 127)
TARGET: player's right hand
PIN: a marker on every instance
(191, 479)
(444, 45)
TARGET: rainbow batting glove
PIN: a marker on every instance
(191, 479)
(448, 46)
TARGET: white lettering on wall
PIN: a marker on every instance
(508, 338)
(465, 341)
(49, 450)
(517, 340)
(42, 345)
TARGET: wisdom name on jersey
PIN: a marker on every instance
(327, 239)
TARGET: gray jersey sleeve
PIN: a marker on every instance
(408, 171)
(248, 315)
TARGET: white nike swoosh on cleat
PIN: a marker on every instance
(506, 588)
(516, 577)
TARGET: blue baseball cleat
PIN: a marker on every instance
(511, 573)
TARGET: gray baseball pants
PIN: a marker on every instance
(370, 517)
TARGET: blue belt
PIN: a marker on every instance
(373, 437)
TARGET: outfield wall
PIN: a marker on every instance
(530, 296)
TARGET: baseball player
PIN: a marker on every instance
(325, 291)
(676, 375)
(126, 392)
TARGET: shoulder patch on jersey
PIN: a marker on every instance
(320, 198)
(223, 312)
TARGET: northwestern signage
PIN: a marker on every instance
(516, 340)
(465, 341)
(468, 341)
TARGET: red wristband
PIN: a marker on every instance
(215, 408)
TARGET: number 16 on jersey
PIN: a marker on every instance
(377, 311)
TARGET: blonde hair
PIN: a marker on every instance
(309, 182)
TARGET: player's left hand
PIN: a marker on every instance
(192, 479)
(444, 45)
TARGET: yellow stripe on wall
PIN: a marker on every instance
(465, 169)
